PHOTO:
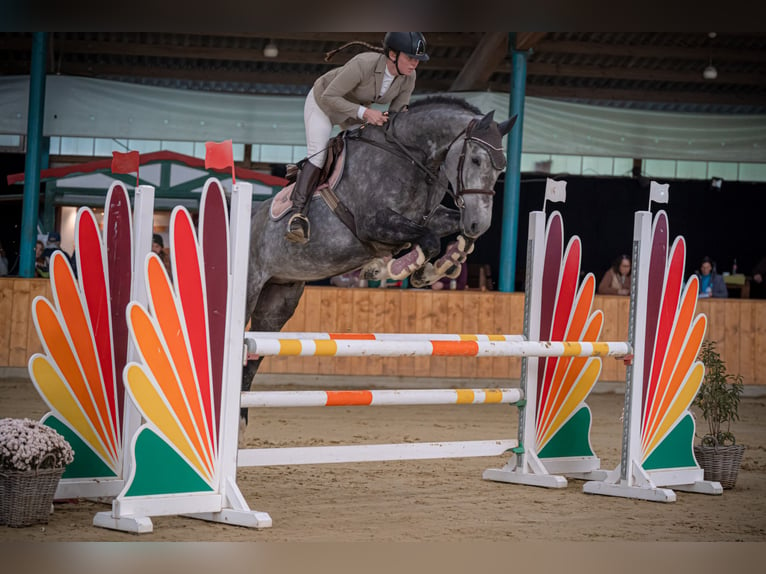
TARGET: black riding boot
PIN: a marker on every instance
(298, 224)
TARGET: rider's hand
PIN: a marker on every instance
(375, 117)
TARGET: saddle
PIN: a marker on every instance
(328, 178)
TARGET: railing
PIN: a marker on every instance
(738, 326)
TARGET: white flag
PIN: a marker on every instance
(659, 192)
(555, 190)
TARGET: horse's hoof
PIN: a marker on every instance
(375, 270)
(418, 281)
(454, 271)
(461, 243)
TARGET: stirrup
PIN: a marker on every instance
(298, 228)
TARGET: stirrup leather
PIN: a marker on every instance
(298, 228)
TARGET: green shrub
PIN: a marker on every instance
(718, 397)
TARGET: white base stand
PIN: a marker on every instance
(701, 487)
(134, 524)
(228, 507)
(246, 518)
(535, 473)
(645, 485)
(625, 490)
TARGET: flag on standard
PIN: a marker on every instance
(555, 190)
(659, 192)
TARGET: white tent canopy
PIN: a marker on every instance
(84, 107)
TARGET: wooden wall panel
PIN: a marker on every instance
(615, 328)
(6, 305)
(18, 337)
(738, 325)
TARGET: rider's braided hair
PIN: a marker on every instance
(328, 56)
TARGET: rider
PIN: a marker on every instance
(341, 96)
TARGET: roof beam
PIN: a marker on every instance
(659, 96)
(658, 52)
(529, 40)
(486, 57)
(642, 74)
(244, 54)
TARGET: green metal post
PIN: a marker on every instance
(512, 189)
(31, 202)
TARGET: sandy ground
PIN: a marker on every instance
(430, 501)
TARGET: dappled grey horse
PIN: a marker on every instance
(390, 195)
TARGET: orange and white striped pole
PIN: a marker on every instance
(380, 397)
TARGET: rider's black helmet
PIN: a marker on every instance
(411, 43)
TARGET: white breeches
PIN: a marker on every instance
(318, 130)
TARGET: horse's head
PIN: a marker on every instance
(473, 163)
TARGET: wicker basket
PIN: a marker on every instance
(720, 463)
(26, 495)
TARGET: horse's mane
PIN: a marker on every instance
(446, 101)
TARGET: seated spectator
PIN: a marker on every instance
(3, 262)
(158, 247)
(758, 285)
(616, 280)
(711, 283)
(52, 245)
(41, 267)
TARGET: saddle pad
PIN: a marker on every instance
(281, 204)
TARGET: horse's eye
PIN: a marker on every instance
(476, 161)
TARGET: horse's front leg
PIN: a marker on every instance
(444, 222)
(390, 227)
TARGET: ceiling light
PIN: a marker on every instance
(271, 50)
(710, 73)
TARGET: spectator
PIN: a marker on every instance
(3, 262)
(616, 280)
(41, 267)
(758, 285)
(158, 247)
(711, 283)
(53, 244)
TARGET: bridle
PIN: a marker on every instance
(496, 157)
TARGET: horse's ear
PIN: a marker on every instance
(486, 121)
(505, 127)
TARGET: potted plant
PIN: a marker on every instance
(32, 459)
(718, 399)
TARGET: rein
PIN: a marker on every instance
(396, 147)
(400, 150)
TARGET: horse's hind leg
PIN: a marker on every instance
(276, 304)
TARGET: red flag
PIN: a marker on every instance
(220, 156)
(125, 163)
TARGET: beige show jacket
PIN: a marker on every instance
(341, 91)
